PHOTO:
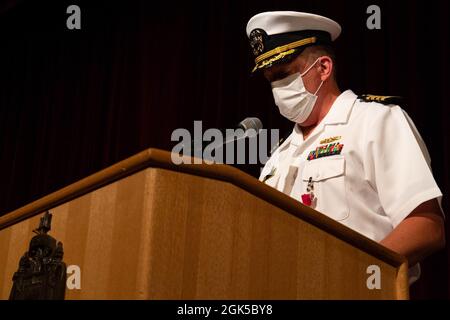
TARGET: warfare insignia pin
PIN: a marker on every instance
(329, 140)
(257, 38)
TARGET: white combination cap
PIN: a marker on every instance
(276, 35)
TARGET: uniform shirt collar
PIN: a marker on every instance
(340, 110)
(338, 113)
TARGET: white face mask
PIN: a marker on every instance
(294, 101)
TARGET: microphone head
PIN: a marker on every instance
(251, 123)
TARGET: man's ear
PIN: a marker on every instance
(326, 68)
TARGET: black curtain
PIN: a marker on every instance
(75, 101)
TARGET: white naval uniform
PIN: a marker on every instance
(381, 175)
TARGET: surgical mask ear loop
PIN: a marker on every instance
(320, 86)
(306, 71)
(309, 68)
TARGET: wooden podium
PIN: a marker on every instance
(146, 228)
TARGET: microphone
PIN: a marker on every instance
(251, 126)
(251, 123)
(248, 128)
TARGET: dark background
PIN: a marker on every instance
(75, 101)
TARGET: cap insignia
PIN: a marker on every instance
(257, 38)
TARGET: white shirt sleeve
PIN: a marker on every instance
(396, 163)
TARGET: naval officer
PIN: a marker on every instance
(357, 159)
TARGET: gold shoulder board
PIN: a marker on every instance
(381, 99)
